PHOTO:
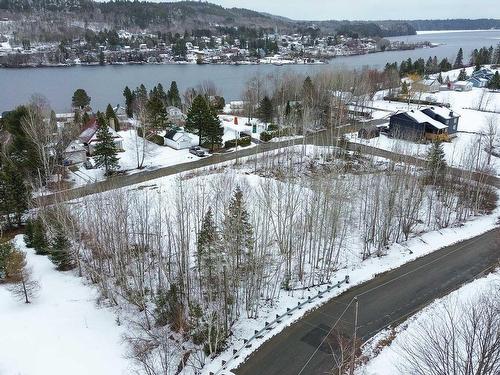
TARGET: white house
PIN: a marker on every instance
(462, 86)
(427, 85)
(177, 139)
(75, 153)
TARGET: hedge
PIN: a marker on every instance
(243, 142)
(268, 135)
(155, 138)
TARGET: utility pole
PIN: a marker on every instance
(353, 355)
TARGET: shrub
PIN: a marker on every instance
(152, 137)
(268, 135)
(5, 250)
(243, 142)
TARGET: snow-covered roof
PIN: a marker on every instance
(75, 146)
(421, 118)
(176, 136)
(428, 82)
(90, 134)
(444, 112)
(462, 83)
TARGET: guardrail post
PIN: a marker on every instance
(255, 332)
(347, 279)
(309, 299)
(298, 305)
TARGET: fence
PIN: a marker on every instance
(268, 326)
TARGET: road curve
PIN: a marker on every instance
(389, 298)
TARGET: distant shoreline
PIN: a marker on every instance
(429, 32)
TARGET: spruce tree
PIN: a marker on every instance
(39, 240)
(60, 253)
(105, 152)
(462, 76)
(266, 110)
(156, 112)
(459, 61)
(237, 230)
(6, 250)
(14, 194)
(440, 78)
(199, 117)
(129, 100)
(173, 96)
(213, 130)
(110, 114)
(436, 161)
(404, 88)
(209, 249)
(28, 234)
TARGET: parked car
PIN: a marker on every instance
(197, 150)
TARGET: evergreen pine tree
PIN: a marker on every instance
(39, 240)
(105, 152)
(129, 100)
(173, 96)
(459, 61)
(404, 88)
(440, 78)
(436, 161)
(14, 194)
(198, 115)
(28, 234)
(213, 130)
(6, 250)
(156, 112)
(266, 110)
(209, 249)
(80, 99)
(110, 114)
(60, 253)
(237, 230)
(494, 83)
(462, 76)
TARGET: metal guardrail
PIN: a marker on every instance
(268, 326)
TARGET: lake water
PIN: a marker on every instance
(105, 84)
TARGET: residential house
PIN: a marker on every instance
(88, 137)
(462, 86)
(175, 116)
(478, 82)
(177, 139)
(75, 153)
(444, 115)
(427, 85)
(416, 125)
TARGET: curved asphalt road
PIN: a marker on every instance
(387, 299)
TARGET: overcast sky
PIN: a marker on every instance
(371, 9)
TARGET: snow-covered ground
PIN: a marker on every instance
(386, 362)
(64, 299)
(471, 124)
(62, 331)
(457, 152)
(157, 157)
(351, 263)
(161, 156)
(398, 255)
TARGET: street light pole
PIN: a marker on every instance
(353, 355)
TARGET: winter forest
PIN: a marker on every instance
(187, 257)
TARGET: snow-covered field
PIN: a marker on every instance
(62, 331)
(471, 125)
(386, 362)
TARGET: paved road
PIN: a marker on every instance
(389, 298)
